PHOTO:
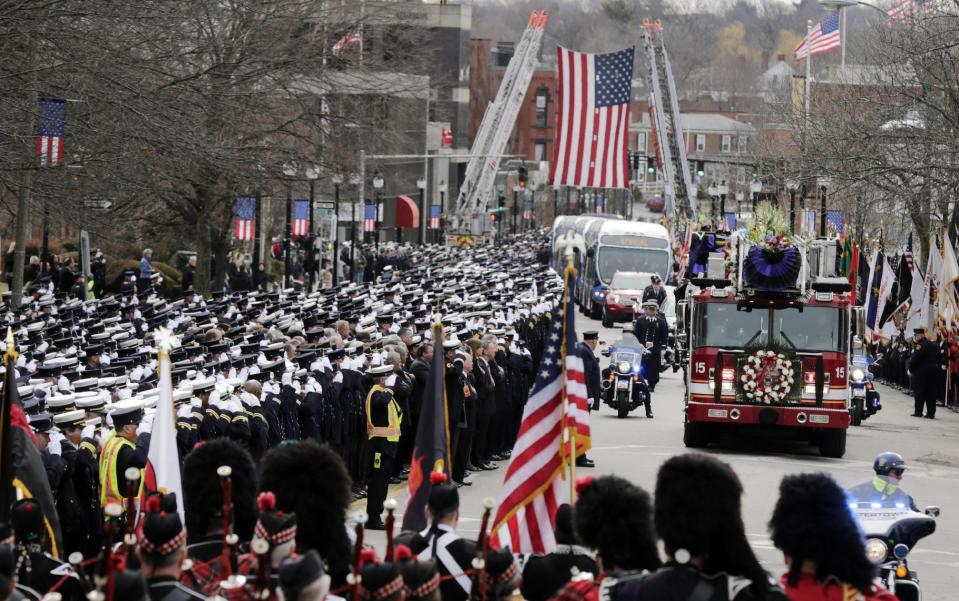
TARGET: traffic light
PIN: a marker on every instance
(755, 174)
(492, 217)
(634, 161)
(651, 165)
(501, 203)
(523, 176)
(700, 168)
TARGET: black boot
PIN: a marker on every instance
(649, 411)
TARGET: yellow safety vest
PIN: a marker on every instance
(392, 431)
(110, 491)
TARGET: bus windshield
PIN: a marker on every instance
(723, 325)
(611, 259)
(812, 329)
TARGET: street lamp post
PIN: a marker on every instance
(516, 190)
(723, 190)
(355, 180)
(792, 185)
(312, 174)
(289, 170)
(421, 186)
(337, 180)
(443, 189)
(378, 184)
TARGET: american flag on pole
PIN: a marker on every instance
(50, 129)
(824, 37)
(245, 217)
(835, 218)
(301, 217)
(353, 36)
(593, 118)
(532, 488)
(434, 217)
(908, 256)
(369, 217)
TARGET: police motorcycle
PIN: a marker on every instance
(624, 387)
(863, 396)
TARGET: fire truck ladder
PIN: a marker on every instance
(668, 125)
(497, 125)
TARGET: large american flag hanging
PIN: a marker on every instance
(245, 217)
(823, 38)
(301, 217)
(593, 119)
(533, 488)
(50, 129)
(434, 217)
(369, 217)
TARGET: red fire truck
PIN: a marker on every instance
(768, 357)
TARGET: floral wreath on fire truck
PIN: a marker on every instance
(767, 375)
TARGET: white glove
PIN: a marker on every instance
(185, 410)
(146, 424)
(287, 379)
(234, 405)
(391, 380)
(63, 384)
(88, 431)
(338, 378)
(54, 445)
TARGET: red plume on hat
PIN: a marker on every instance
(437, 478)
(402, 553)
(583, 483)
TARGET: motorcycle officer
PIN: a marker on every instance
(885, 486)
(651, 332)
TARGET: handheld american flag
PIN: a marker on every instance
(434, 217)
(824, 37)
(301, 217)
(532, 488)
(50, 131)
(835, 218)
(245, 217)
(593, 119)
(369, 217)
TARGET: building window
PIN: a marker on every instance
(539, 151)
(700, 142)
(743, 143)
(641, 142)
(740, 175)
(542, 107)
(726, 144)
(504, 52)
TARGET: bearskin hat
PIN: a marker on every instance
(812, 521)
(381, 581)
(614, 517)
(502, 574)
(682, 483)
(310, 480)
(203, 495)
(421, 579)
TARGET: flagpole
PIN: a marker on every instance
(568, 429)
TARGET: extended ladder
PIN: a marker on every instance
(497, 125)
(677, 189)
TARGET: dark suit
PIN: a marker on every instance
(591, 369)
(652, 333)
(651, 293)
(926, 376)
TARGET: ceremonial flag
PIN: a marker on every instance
(245, 217)
(823, 38)
(369, 217)
(931, 285)
(908, 256)
(50, 131)
(845, 259)
(434, 217)
(949, 275)
(301, 217)
(854, 273)
(22, 473)
(162, 473)
(916, 293)
(835, 218)
(431, 449)
(353, 36)
(904, 277)
(881, 279)
(863, 271)
(593, 119)
(532, 488)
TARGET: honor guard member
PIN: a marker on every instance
(543, 575)
(77, 499)
(383, 418)
(162, 550)
(586, 350)
(655, 291)
(36, 569)
(125, 446)
(302, 578)
(822, 543)
(439, 542)
(651, 332)
(274, 539)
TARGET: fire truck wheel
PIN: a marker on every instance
(607, 320)
(696, 435)
(833, 443)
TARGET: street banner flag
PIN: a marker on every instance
(431, 449)
(532, 488)
(592, 122)
(434, 217)
(301, 217)
(162, 473)
(50, 132)
(22, 473)
(245, 217)
(369, 217)
(824, 37)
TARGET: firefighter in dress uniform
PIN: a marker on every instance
(651, 332)
(383, 418)
(125, 447)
